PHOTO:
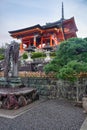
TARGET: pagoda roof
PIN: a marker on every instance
(53, 24)
(25, 29)
(56, 24)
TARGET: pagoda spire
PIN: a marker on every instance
(62, 11)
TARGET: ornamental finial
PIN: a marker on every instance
(62, 11)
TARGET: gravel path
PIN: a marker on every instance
(49, 115)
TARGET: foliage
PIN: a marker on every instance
(72, 70)
(2, 53)
(53, 54)
(37, 54)
(25, 56)
(53, 66)
(72, 49)
(2, 56)
(85, 38)
(70, 60)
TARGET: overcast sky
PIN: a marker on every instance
(18, 14)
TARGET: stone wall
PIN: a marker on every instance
(45, 86)
(52, 88)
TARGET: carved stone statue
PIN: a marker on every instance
(11, 60)
(13, 92)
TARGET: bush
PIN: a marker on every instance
(25, 56)
(70, 59)
(37, 54)
(2, 56)
(53, 54)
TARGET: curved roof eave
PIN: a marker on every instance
(25, 29)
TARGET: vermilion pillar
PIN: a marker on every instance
(21, 47)
(62, 31)
(35, 41)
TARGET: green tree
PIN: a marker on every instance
(72, 70)
(70, 60)
(85, 38)
(74, 49)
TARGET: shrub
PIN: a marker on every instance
(25, 56)
(2, 56)
(53, 54)
(37, 54)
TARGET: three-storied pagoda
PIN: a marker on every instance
(53, 33)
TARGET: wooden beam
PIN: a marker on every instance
(20, 34)
(62, 32)
(51, 40)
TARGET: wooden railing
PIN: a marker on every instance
(41, 74)
(32, 74)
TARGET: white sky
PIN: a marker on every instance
(18, 14)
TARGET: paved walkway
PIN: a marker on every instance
(48, 115)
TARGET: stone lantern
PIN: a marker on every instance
(48, 48)
(29, 60)
(29, 50)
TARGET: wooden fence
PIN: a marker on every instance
(32, 74)
(40, 74)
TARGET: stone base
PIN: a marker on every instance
(10, 82)
(13, 94)
(14, 98)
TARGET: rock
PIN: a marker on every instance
(22, 101)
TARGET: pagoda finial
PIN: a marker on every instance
(62, 11)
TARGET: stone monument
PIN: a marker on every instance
(13, 93)
(11, 65)
(11, 60)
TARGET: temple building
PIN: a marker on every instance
(53, 33)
